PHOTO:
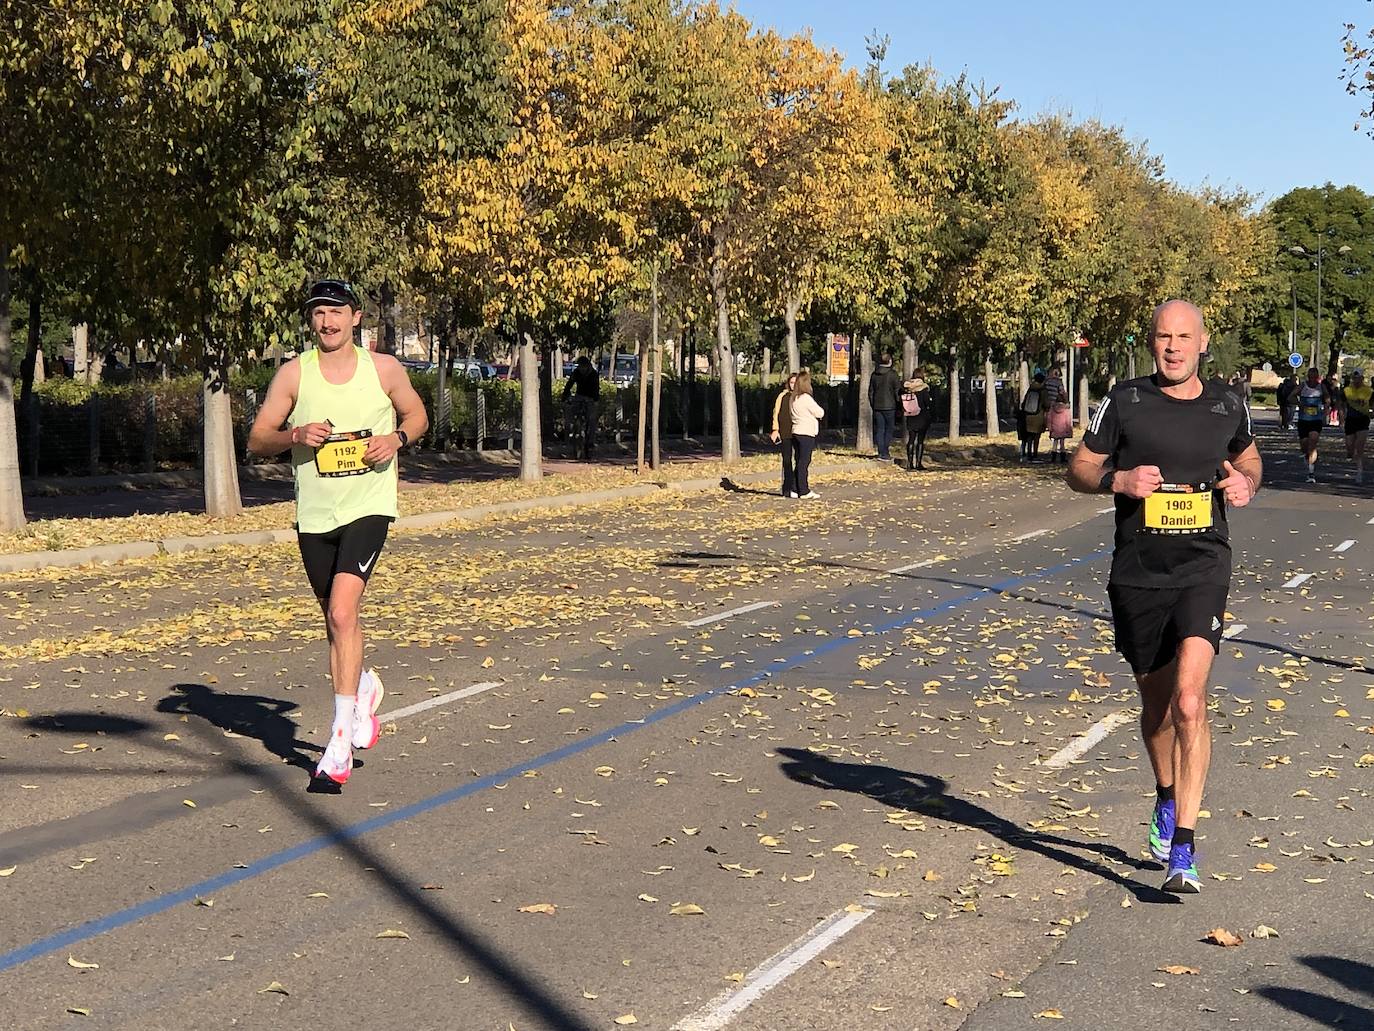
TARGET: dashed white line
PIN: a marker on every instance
(919, 565)
(1344, 546)
(1371, 520)
(1027, 536)
(1098, 731)
(716, 617)
(1235, 630)
(443, 699)
(1299, 580)
(717, 1013)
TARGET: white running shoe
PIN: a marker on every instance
(337, 762)
(366, 727)
(810, 496)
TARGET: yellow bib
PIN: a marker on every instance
(1178, 511)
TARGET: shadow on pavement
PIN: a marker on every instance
(1326, 1010)
(523, 987)
(929, 795)
(248, 715)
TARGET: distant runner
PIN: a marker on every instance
(1175, 451)
(1310, 399)
(1355, 398)
(337, 407)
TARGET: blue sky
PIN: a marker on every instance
(1238, 94)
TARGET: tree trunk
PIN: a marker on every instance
(657, 345)
(990, 395)
(222, 498)
(766, 369)
(793, 347)
(1082, 398)
(29, 368)
(1022, 378)
(1130, 364)
(11, 492)
(391, 316)
(953, 397)
(546, 413)
(863, 437)
(558, 360)
(908, 356)
(1111, 382)
(531, 443)
(642, 427)
(725, 354)
(81, 354)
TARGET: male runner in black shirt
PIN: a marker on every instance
(1175, 451)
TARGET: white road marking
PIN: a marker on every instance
(1027, 536)
(717, 1013)
(1371, 520)
(1344, 546)
(443, 699)
(919, 565)
(731, 612)
(1299, 580)
(1236, 629)
(1098, 731)
(1104, 511)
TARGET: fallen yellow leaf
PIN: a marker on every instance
(546, 908)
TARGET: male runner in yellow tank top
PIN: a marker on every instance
(344, 412)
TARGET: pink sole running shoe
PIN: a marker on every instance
(337, 762)
(366, 727)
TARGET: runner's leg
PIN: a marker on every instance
(1157, 722)
(1191, 727)
(345, 632)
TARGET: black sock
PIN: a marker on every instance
(1164, 794)
(1183, 835)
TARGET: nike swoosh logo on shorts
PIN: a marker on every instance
(363, 567)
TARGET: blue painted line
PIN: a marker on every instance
(162, 903)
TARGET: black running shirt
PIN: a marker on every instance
(1177, 537)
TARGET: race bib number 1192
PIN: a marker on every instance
(342, 454)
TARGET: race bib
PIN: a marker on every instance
(1178, 509)
(341, 454)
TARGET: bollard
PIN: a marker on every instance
(480, 418)
(150, 433)
(93, 435)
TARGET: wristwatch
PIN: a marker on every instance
(1105, 484)
(405, 438)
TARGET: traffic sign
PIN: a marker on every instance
(1081, 342)
(1295, 360)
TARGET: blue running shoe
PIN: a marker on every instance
(1182, 877)
(1162, 830)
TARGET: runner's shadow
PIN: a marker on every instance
(247, 715)
(1327, 1010)
(929, 795)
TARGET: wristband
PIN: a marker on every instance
(1105, 484)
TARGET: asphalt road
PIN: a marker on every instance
(839, 800)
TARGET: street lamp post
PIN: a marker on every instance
(1321, 252)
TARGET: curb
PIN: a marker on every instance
(106, 553)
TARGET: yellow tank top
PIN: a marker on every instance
(333, 486)
(1357, 398)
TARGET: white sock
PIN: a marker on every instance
(343, 717)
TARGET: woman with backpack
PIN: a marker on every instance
(918, 414)
(1031, 418)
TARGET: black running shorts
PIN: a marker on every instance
(352, 548)
(1355, 422)
(1306, 426)
(1151, 622)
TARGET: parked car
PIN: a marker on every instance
(502, 371)
(417, 364)
(626, 370)
(471, 368)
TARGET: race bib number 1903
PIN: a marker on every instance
(1178, 509)
(342, 454)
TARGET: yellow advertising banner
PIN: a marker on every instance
(837, 357)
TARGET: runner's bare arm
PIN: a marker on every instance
(269, 435)
(410, 410)
(1088, 473)
(1243, 474)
